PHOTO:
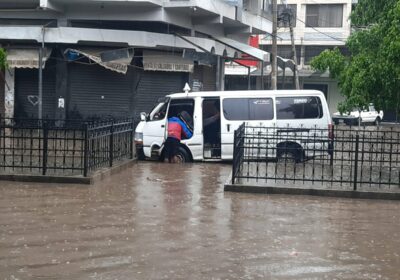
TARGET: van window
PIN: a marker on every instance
(248, 109)
(298, 108)
(177, 106)
(159, 114)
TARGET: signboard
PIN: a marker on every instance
(197, 85)
(166, 61)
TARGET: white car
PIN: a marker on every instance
(368, 115)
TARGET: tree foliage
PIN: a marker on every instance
(3, 59)
(372, 72)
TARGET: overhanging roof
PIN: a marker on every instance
(120, 65)
(244, 48)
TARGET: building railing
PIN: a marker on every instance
(63, 147)
(366, 158)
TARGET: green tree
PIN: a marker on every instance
(3, 59)
(372, 72)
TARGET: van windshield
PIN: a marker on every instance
(159, 112)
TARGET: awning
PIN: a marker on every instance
(26, 58)
(163, 61)
(119, 65)
(244, 48)
(285, 63)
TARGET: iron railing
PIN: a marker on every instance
(63, 147)
(355, 158)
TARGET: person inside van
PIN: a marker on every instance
(211, 123)
(180, 127)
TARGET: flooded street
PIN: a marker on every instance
(161, 221)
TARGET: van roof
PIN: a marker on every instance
(247, 93)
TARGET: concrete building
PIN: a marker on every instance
(318, 25)
(116, 58)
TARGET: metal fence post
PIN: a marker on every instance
(86, 150)
(332, 147)
(112, 144)
(356, 163)
(45, 147)
(235, 136)
(131, 137)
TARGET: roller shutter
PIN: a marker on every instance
(153, 85)
(26, 92)
(96, 92)
(207, 76)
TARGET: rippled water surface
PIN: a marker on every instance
(162, 221)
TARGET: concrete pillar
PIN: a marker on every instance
(9, 93)
(61, 93)
(220, 72)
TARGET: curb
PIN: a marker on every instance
(95, 177)
(313, 192)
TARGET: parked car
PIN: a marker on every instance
(367, 115)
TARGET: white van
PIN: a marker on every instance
(216, 115)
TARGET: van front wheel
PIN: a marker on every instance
(182, 156)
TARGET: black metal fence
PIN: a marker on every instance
(63, 147)
(343, 157)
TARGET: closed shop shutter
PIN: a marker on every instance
(209, 78)
(96, 92)
(153, 85)
(26, 92)
(206, 75)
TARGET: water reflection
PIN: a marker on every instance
(159, 221)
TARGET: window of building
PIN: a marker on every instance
(311, 51)
(298, 108)
(324, 15)
(284, 11)
(248, 109)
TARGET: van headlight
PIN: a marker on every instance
(139, 137)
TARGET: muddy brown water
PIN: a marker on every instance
(162, 221)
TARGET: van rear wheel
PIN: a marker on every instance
(287, 157)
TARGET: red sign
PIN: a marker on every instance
(247, 59)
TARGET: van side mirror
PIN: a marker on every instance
(143, 116)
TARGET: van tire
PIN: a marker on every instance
(377, 121)
(182, 155)
(287, 157)
(290, 152)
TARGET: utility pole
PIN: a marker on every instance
(274, 49)
(40, 89)
(295, 72)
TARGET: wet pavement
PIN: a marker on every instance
(161, 221)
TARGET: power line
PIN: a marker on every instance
(326, 34)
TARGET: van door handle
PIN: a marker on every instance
(163, 125)
(228, 127)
